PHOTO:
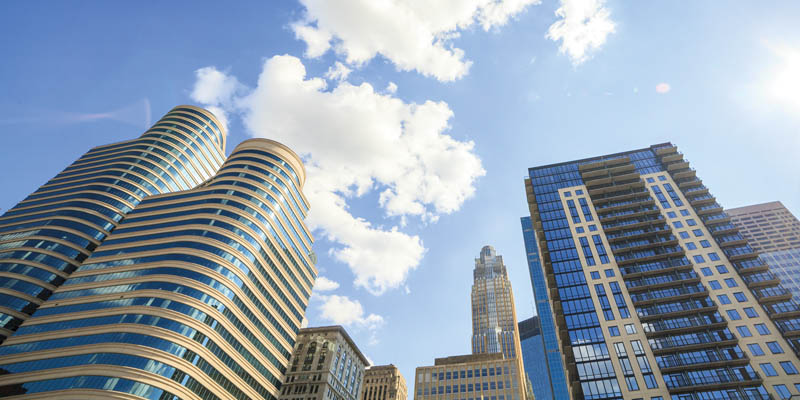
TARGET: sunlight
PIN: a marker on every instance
(784, 85)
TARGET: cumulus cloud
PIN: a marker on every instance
(324, 284)
(338, 72)
(582, 29)
(414, 35)
(341, 310)
(355, 140)
(663, 87)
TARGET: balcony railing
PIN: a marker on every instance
(667, 293)
(655, 266)
(683, 323)
(674, 307)
(705, 356)
(711, 377)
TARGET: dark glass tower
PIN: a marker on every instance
(45, 237)
(533, 356)
(196, 294)
(552, 365)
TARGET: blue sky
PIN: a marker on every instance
(418, 153)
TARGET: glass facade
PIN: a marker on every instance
(533, 356)
(49, 234)
(198, 291)
(662, 252)
(552, 351)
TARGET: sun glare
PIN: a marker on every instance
(785, 83)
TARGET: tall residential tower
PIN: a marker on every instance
(197, 293)
(654, 292)
(772, 230)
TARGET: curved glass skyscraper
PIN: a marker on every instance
(45, 237)
(197, 294)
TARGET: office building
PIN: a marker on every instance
(533, 358)
(494, 319)
(552, 365)
(47, 236)
(654, 292)
(774, 232)
(384, 382)
(483, 376)
(325, 365)
(494, 371)
(195, 294)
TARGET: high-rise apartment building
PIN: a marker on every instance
(197, 293)
(384, 382)
(774, 232)
(326, 365)
(655, 294)
(552, 365)
(47, 236)
(533, 357)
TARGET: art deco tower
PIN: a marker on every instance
(196, 294)
(494, 318)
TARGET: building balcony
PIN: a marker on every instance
(689, 182)
(701, 200)
(669, 310)
(761, 279)
(789, 328)
(733, 239)
(696, 190)
(619, 195)
(608, 217)
(740, 253)
(665, 151)
(723, 229)
(668, 295)
(714, 219)
(788, 309)
(691, 341)
(655, 268)
(623, 204)
(643, 243)
(617, 186)
(683, 324)
(707, 209)
(637, 233)
(659, 281)
(708, 358)
(721, 378)
(633, 223)
(683, 173)
(750, 266)
(647, 255)
(677, 164)
(772, 294)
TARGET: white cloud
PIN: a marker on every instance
(663, 87)
(338, 72)
(583, 28)
(341, 310)
(324, 284)
(391, 88)
(214, 87)
(414, 34)
(354, 141)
